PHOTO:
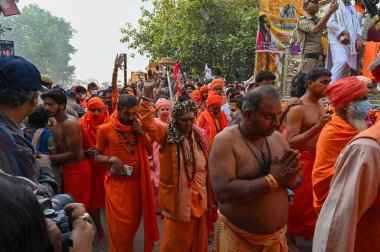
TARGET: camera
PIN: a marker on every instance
(53, 209)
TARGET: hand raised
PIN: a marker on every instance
(334, 6)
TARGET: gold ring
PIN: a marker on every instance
(85, 216)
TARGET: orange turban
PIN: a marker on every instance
(217, 83)
(196, 96)
(162, 102)
(204, 89)
(130, 90)
(214, 99)
(343, 91)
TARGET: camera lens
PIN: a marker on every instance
(61, 200)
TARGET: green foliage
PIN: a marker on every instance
(43, 39)
(221, 33)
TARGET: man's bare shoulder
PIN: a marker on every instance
(227, 134)
(71, 122)
(297, 109)
(277, 137)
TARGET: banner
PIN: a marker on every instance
(274, 33)
(277, 7)
(7, 48)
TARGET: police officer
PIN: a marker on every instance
(309, 35)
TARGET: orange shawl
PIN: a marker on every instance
(370, 53)
(207, 122)
(332, 140)
(91, 122)
(151, 232)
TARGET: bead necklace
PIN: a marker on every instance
(188, 159)
(131, 145)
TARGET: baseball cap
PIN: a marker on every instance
(70, 93)
(19, 73)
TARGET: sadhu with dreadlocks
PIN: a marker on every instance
(184, 193)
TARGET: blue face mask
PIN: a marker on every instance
(362, 108)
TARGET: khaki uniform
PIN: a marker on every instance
(311, 44)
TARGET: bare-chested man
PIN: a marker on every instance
(251, 175)
(304, 123)
(68, 134)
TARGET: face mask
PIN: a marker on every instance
(94, 92)
(362, 109)
(97, 118)
(313, 10)
(83, 96)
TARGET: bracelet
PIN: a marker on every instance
(146, 98)
(273, 180)
(269, 182)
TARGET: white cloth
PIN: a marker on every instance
(226, 109)
(346, 18)
(348, 218)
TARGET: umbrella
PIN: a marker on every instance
(167, 61)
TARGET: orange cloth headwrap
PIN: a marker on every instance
(196, 96)
(204, 89)
(214, 99)
(129, 90)
(162, 102)
(217, 83)
(90, 122)
(343, 91)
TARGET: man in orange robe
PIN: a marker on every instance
(217, 86)
(185, 193)
(350, 217)
(213, 120)
(304, 123)
(96, 115)
(346, 95)
(127, 184)
(204, 94)
(163, 107)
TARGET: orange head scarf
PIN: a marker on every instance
(196, 96)
(204, 89)
(91, 121)
(217, 83)
(162, 102)
(214, 99)
(343, 91)
(129, 91)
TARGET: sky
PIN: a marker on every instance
(98, 35)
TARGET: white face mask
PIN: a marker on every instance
(94, 92)
(84, 96)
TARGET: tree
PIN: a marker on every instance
(221, 33)
(44, 40)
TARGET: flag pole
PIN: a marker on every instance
(170, 85)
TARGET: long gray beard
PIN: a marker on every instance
(357, 123)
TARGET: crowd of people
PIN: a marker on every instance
(213, 158)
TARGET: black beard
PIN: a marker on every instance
(128, 122)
